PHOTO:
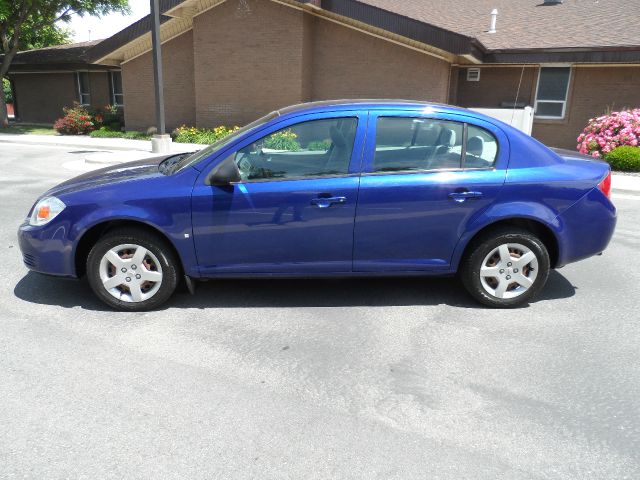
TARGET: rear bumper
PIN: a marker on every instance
(46, 249)
(587, 228)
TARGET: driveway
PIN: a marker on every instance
(279, 379)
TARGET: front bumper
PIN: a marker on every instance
(46, 249)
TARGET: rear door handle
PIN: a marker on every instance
(326, 202)
(462, 196)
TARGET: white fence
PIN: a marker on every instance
(520, 118)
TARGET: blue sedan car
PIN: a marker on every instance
(342, 188)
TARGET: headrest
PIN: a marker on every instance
(475, 146)
(448, 138)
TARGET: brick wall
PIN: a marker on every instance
(177, 68)
(350, 64)
(100, 89)
(593, 90)
(248, 61)
(496, 85)
(40, 97)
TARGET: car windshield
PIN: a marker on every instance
(188, 160)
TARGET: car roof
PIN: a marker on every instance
(369, 104)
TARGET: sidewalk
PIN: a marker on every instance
(109, 151)
(629, 184)
(86, 142)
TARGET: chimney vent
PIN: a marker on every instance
(494, 21)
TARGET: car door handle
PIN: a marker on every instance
(462, 196)
(326, 202)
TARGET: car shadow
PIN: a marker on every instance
(285, 293)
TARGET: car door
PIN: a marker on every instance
(293, 210)
(424, 178)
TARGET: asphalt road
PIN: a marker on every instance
(389, 379)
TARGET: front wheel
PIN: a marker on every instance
(132, 270)
(506, 268)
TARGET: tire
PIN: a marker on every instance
(498, 253)
(143, 277)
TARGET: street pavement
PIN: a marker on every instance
(316, 379)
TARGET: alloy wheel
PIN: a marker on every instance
(509, 270)
(130, 273)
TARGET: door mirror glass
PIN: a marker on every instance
(225, 174)
(316, 148)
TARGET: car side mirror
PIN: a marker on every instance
(225, 174)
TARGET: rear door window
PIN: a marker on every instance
(408, 144)
(482, 148)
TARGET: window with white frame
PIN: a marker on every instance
(84, 93)
(117, 95)
(553, 88)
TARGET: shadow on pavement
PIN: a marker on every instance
(286, 293)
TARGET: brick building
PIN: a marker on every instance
(230, 61)
(45, 80)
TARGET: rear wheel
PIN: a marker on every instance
(132, 270)
(506, 268)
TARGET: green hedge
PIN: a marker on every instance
(105, 132)
(624, 159)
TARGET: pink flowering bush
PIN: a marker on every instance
(605, 133)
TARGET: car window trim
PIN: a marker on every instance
(432, 116)
(432, 170)
(360, 116)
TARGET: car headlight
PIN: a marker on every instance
(46, 210)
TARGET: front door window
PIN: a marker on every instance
(317, 148)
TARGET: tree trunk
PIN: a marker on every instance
(4, 68)
(4, 118)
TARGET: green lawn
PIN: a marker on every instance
(26, 129)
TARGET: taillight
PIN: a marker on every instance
(605, 185)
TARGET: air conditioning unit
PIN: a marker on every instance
(473, 74)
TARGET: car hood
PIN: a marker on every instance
(123, 172)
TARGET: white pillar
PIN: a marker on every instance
(161, 143)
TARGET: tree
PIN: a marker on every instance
(28, 24)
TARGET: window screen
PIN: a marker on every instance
(117, 96)
(84, 94)
(553, 85)
(417, 144)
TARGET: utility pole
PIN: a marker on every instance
(161, 142)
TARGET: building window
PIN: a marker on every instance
(553, 88)
(84, 94)
(117, 95)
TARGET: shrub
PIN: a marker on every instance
(608, 132)
(104, 132)
(284, 140)
(626, 159)
(185, 134)
(318, 145)
(76, 121)
(8, 93)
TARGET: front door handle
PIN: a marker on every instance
(326, 202)
(462, 196)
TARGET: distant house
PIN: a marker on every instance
(47, 79)
(230, 61)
